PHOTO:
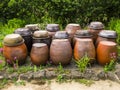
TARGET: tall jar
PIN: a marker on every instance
(60, 51)
(81, 34)
(26, 35)
(52, 29)
(83, 47)
(14, 49)
(33, 27)
(106, 51)
(39, 53)
(106, 35)
(41, 36)
(95, 28)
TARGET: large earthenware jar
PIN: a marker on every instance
(41, 36)
(106, 51)
(14, 49)
(52, 29)
(82, 34)
(27, 36)
(39, 53)
(82, 47)
(72, 28)
(60, 51)
(33, 27)
(95, 28)
(106, 35)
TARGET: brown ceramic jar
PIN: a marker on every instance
(82, 47)
(26, 35)
(14, 49)
(95, 28)
(106, 51)
(52, 29)
(39, 53)
(106, 35)
(60, 51)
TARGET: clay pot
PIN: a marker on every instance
(95, 28)
(81, 34)
(26, 35)
(61, 35)
(60, 51)
(72, 28)
(39, 53)
(82, 47)
(106, 35)
(32, 27)
(14, 49)
(106, 51)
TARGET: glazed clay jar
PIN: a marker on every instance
(39, 53)
(106, 35)
(14, 49)
(72, 28)
(60, 51)
(26, 35)
(106, 51)
(82, 47)
(95, 28)
(81, 34)
(52, 29)
(33, 27)
(41, 36)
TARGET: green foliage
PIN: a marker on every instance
(82, 63)
(3, 83)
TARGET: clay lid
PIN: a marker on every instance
(13, 40)
(32, 26)
(83, 33)
(52, 27)
(60, 40)
(109, 43)
(40, 34)
(23, 31)
(39, 44)
(85, 40)
(73, 24)
(61, 35)
(108, 34)
(96, 25)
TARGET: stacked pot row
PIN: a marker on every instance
(56, 45)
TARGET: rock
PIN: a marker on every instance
(27, 76)
(39, 74)
(102, 75)
(118, 74)
(14, 75)
(111, 76)
(76, 74)
(50, 74)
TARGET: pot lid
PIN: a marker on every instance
(13, 40)
(33, 26)
(61, 35)
(39, 44)
(23, 31)
(40, 34)
(108, 34)
(96, 25)
(52, 27)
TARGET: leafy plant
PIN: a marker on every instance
(3, 83)
(82, 63)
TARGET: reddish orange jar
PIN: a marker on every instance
(60, 51)
(14, 49)
(39, 53)
(104, 51)
(82, 47)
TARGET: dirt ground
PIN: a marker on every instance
(98, 85)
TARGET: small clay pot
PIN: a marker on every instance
(60, 51)
(82, 47)
(26, 35)
(14, 49)
(33, 27)
(61, 35)
(95, 28)
(39, 54)
(106, 35)
(106, 51)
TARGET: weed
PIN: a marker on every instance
(3, 83)
(20, 82)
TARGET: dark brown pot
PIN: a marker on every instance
(106, 35)
(60, 51)
(27, 36)
(39, 53)
(106, 51)
(95, 28)
(82, 47)
(72, 28)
